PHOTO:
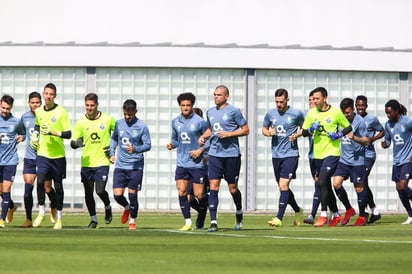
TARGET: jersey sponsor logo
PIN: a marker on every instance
(125, 142)
(4, 138)
(185, 137)
(398, 139)
(95, 138)
(217, 127)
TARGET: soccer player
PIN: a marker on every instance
(186, 131)
(53, 124)
(92, 134)
(398, 129)
(130, 139)
(322, 122)
(316, 194)
(352, 164)
(375, 131)
(194, 203)
(226, 124)
(280, 125)
(12, 132)
(29, 167)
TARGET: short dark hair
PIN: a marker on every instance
(362, 98)
(129, 105)
(186, 96)
(281, 92)
(346, 103)
(322, 90)
(51, 86)
(8, 99)
(34, 94)
(91, 97)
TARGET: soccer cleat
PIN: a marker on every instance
(373, 218)
(10, 214)
(28, 223)
(200, 220)
(348, 214)
(39, 219)
(93, 224)
(2, 224)
(309, 220)
(212, 228)
(239, 219)
(361, 221)
(321, 221)
(298, 217)
(186, 228)
(125, 216)
(53, 213)
(132, 226)
(408, 221)
(275, 222)
(108, 215)
(335, 221)
(58, 224)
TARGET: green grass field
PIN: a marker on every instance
(158, 247)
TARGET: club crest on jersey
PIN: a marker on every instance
(53, 119)
(225, 117)
(134, 133)
(12, 128)
(102, 126)
(328, 120)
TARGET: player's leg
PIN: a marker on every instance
(231, 175)
(120, 179)
(101, 176)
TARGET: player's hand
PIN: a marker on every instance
(34, 140)
(334, 135)
(78, 143)
(315, 126)
(107, 151)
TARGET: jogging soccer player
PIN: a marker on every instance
(53, 124)
(130, 139)
(352, 164)
(12, 132)
(398, 129)
(281, 124)
(375, 131)
(29, 167)
(226, 124)
(92, 134)
(186, 131)
(323, 122)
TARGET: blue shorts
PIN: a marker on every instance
(224, 168)
(285, 167)
(94, 174)
(29, 166)
(402, 172)
(327, 165)
(357, 174)
(53, 168)
(194, 175)
(204, 181)
(131, 179)
(369, 163)
(8, 173)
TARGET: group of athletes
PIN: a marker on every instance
(341, 142)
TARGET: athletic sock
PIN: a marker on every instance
(283, 202)
(213, 203)
(5, 204)
(184, 206)
(316, 200)
(237, 199)
(362, 201)
(28, 200)
(292, 202)
(343, 197)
